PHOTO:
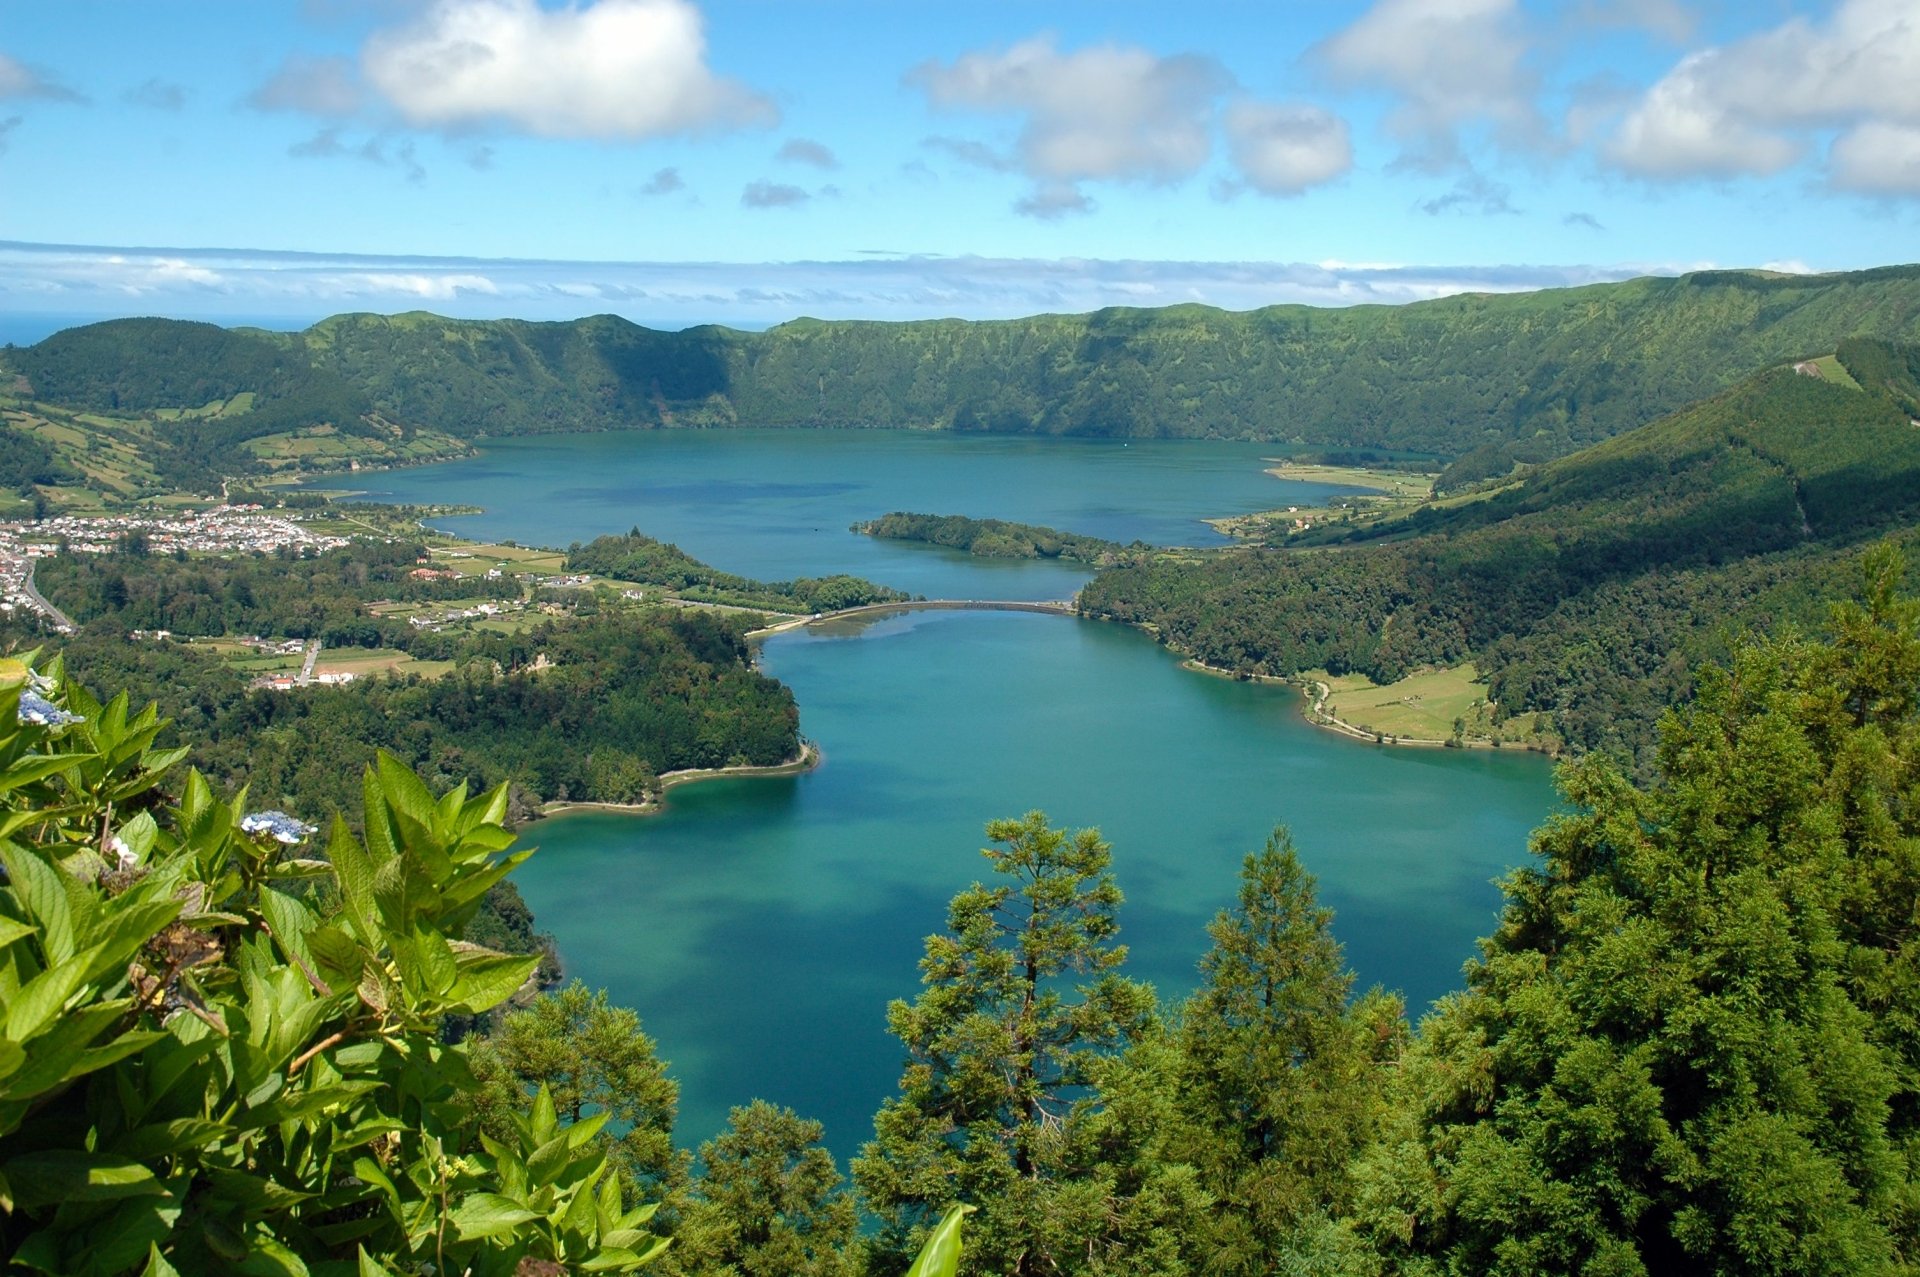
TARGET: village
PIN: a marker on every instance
(223, 529)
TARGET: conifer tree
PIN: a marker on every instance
(1023, 1016)
(769, 1201)
(1281, 1082)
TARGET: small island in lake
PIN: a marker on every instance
(997, 538)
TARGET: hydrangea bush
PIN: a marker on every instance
(220, 1049)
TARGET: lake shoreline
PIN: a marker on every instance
(1314, 696)
(810, 758)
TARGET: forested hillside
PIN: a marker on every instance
(568, 708)
(1585, 589)
(1505, 377)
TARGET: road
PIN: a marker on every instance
(313, 654)
(59, 618)
(968, 605)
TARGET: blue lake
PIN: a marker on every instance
(777, 504)
(761, 926)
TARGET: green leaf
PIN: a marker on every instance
(355, 872)
(371, 1267)
(487, 980)
(612, 1259)
(157, 1265)
(940, 1257)
(11, 931)
(544, 1120)
(489, 1215)
(99, 1057)
(39, 767)
(38, 886)
(68, 1175)
(405, 791)
(368, 1171)
(547, 1161)
(163, 1139)
(437, 968)
(254, 1194)
(44, 997)
(291, 920)
(299, 1104)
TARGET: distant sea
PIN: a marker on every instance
(23, 328)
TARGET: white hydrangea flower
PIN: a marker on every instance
(283, 827)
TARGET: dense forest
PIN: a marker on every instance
(1492, 380)
(1688, 1047)
(322, 596)
(1588, 587)
(617, 701)
(994, 538)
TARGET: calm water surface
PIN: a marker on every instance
(761, 926)
(776, 504)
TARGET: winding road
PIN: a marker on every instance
(59, 618)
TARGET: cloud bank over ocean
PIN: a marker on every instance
(88, 280)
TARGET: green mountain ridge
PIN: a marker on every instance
(1528, 376)
(1590, 586)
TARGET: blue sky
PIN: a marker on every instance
(746, 161)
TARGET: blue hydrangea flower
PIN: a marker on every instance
(283, 827)
(41, 712)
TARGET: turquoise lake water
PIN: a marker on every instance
(761, 926)
(776, 504)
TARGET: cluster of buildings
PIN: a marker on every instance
(435, 621)
(224, 529)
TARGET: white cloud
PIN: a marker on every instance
(765, 194)
(974, 153)
(804, 150)
(1050, 201)
(306, 286)
(1284, 150)
(1877, 157)
(17, 80)
(1668, 19)
(1757, 106)
(663, 182)
(310, 86)
(1684, 128)
(1106, 113)
(158, 95)
(1451, 63)
(615, 69)
(1475, 192)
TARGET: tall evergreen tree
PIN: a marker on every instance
(1281, 1082)
(1013, 1049)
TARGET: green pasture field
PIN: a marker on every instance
(1422, 706)
(1831, 369)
